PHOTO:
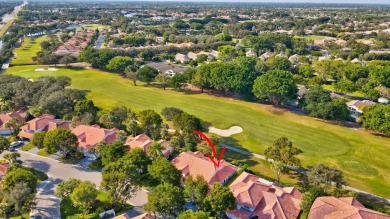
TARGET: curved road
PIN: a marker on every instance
(47, 203)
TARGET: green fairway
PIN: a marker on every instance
(362, 156)
(28, 49)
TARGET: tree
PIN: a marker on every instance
(187, 123)
(189, 214)
(178, 81)
(155, 150)
(345, 86)
(38, 139)
(320, 104)
(280, 169)
(377, 118)
(163, 79)
(170, 112)
(120, 180)
(227, 53)
(61, 140)
(323, 176)
(119, 63)
(65, 188)
(140, 160)
(4, 144)
(11, 157)
(112, 152)
(66, 60)
(220, 199)
(164, 171)
(18, 175)
(275, 86)
(309, 197)
(175, 142)
(132, 127)
(14, 124)
(150, 121)
(132, 74)
(281, 63)
(85, 106)
(166, 200)
(19, 197)
(202, 58)
(283, 151)
(196, 190)
(147, 74)
(83, 196)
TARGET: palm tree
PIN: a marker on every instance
(280, 169)
(12, 157)
(155, 151)
(13, 123)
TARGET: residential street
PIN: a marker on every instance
(47, 203)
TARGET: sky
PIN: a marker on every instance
(296, 1)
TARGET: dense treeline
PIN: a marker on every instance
(7, 6)
(45, 95)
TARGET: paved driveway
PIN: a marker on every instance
(47, 203)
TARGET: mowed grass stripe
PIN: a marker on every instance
(28, 49)
(262, 124)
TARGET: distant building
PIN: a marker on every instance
(383, 100)
(257, 198)
(182, 58)
(342, 208)
(265, 56)
(170, 70)
(356, 107)
(251, 53)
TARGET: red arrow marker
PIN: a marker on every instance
(212, 148)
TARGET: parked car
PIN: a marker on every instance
(35, 216)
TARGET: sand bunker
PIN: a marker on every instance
(48, 69)
(226, 132)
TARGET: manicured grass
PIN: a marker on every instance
(5, 28)
(27, 147)
(314, 37)
(361, 155)
(94, 26)
(25, 215)
(28, 49)
(3, 161)
(43, 153)
(331, 87)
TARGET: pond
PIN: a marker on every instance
(73, 27)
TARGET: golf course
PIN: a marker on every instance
(363, 157)
(28, 49)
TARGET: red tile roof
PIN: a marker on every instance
(265, 200)
(43, 123)
(342, 208)
(144, 142)
(195, 163)
(20, 115)
(3, 169)
(90, 136)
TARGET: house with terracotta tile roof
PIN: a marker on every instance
(195, 163)
(20, 115)
(259, 198)
(43, 123)
(341, 208)
(144, 142)
(3, 169)
(90, 136)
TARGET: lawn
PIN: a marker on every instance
(361, 155)
(28, 49)
(27, 147)
(67, 209)
(314, 37)
(43, 153)
(331, 88)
